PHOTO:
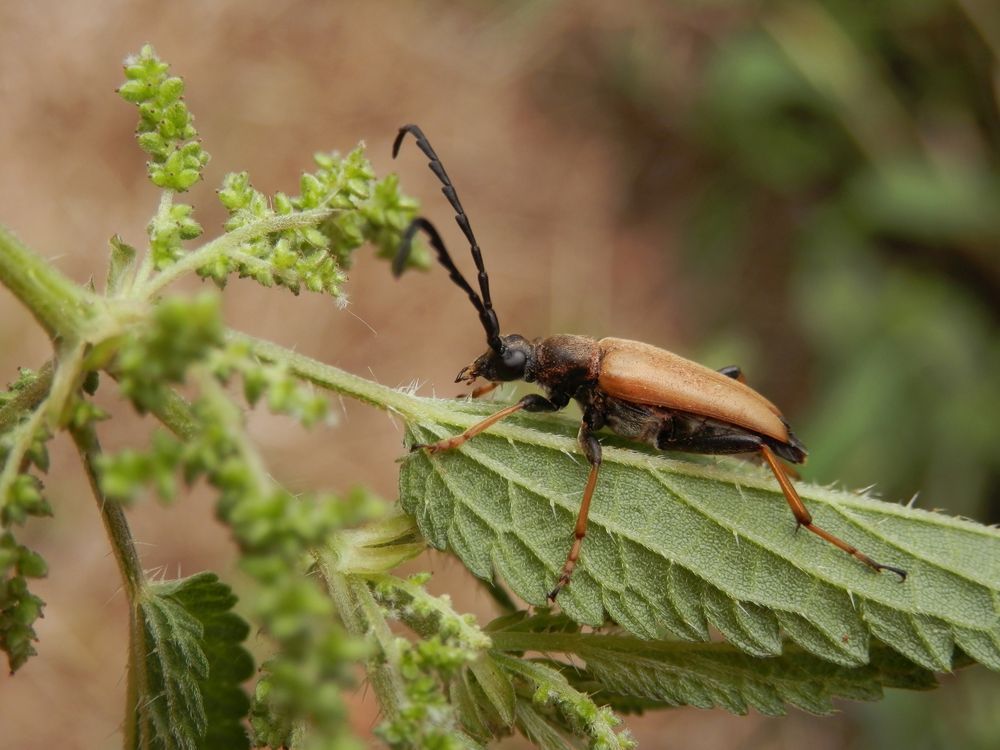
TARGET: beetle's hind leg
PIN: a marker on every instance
(734, 372)
(804, 517)
(592, 449)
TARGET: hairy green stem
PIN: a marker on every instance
(58, 304)
(146, 267)
(363, 619)
(329, 377)
(112, 514)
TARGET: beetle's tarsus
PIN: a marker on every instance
(879, 567)
(438, 447)
(563, 582)
(898, 571)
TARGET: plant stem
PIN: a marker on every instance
(58, 304)
(329, 377)
(146, 267)
(112, 514)
(123, 548)
(364, 619)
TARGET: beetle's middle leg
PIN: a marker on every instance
(531, 402)
(804, 517)
(592, 450)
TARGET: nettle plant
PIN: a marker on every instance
(692, 587)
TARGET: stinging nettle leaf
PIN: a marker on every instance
(674, 546)
(189, 695)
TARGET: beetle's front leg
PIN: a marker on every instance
(531, 402)
(592, 450)
(484, 390)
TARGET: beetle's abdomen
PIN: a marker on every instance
(672, 430)
(644, 374)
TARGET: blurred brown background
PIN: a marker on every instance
(811, 190)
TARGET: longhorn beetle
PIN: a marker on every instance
(636, 390)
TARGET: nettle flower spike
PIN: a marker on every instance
(166, 128)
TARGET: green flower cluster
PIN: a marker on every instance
(166, 132)
(271, 382)
(19, 607)
(449, 643)
(555, 703)
(168, 230)
(426, 718)
(166, 129)
(315, 258)
(179, 332)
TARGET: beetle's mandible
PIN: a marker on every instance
(635, 390)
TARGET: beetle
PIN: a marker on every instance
(636, 390)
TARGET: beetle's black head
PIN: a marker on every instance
(516, 355)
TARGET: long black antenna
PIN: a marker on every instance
(483, 304)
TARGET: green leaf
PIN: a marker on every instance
(673, 546)
(496, 686)
(188, 663)
(710, 675)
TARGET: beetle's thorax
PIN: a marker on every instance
(564, 362)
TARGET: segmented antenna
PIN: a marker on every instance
(486, 314)
(483, 304)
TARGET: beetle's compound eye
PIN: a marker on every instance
(507, 364)
(514, 359)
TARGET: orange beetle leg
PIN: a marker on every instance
(578, 534)
(484, 389)
(456, 440)
(592, 450)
